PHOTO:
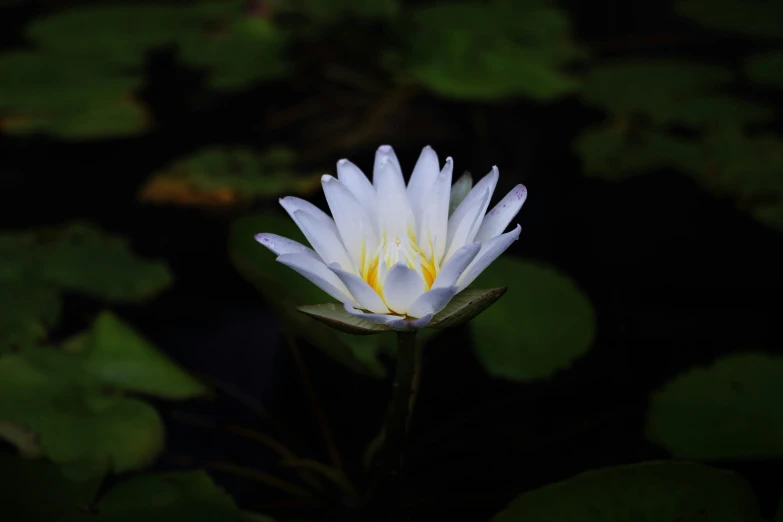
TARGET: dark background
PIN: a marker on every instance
(677, 276)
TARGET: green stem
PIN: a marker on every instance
(387, 490)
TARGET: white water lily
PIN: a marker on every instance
(390, 253)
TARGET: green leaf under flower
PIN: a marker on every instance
(335, 315)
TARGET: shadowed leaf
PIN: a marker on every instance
(651, 491)
(727, 411)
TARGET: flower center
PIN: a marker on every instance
(393, 250)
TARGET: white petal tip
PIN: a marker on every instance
(449, 160)
(495, 169)
(327, 178)
(385, 149)
(342, 162)
(262, 238)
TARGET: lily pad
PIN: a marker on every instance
(46, 392)
(729, 410)
(491, 50)
(543, 324)
(120, 357)
(757, 18)
(228, 176)
(39, 491)
(651, 491)
(766, 69)
(27, 312)
(190, 495)
(81, 258)
(670, 92)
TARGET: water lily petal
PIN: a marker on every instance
(282, 245)
(319, 274)
(395, 322)
(354, 224)
(422, 180)
(466, 219)
(324, 238)
(464, 229)
(364, 294)
(394, 211)
(402, 286)
(373, 318)
(432, 302)
(291, 204)
(354, 179)
(490, 251)
(432, 232)
(384, 153)
(456, 265)
(497, 219)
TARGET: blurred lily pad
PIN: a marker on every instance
(727, 411)
(27, 312)
(766, 69)
(120, 357)
(38, 491)
(189, 495)
(247, 51)
(46, 391)
(491, 50)
(316, 12)
(285, 290)
(759, 18)
(668, 92)
(217, 176)
(654, 491)
(42, 92)
(544, 322)
(80, 79)
(81, 258)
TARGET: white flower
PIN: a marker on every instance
(390, 253)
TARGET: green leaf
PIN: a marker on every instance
(80, 79)
(120, 357)
(27, 312)
(465, 306)
(670, 91)
(47, 392)
(249, 51)
(491, 50)
(616, 152)
(759, 18)
(334, 315)
(236, 172)
(652, 491)
(190, 495)
(727, 411)
(39, 491)
(81, 258)
(544, 322)
(766, 69)
(285, 289)
(319, 13)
